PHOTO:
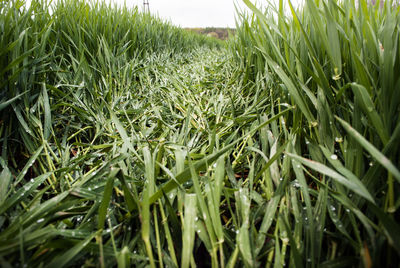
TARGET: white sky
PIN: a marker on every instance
(194, 13)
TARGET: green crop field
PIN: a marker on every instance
(129, 142)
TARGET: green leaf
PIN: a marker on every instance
(47, 113)
(129, 198)
(351, 184)
(123, 258)
(5, 180)
(375, 153)
(298, 261)
(392, 228)
(243, 236)
(103, 208)
(333, 42)
(23, 192)
(361, 188)
(188, 228)
(364, 100)
(121, 130)
(64, 259)
(4, 104)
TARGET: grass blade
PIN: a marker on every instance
(382, 159)
(351, 184)
(188, 228)
(103, 208)
(65, 258)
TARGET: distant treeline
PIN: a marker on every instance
(220, 33)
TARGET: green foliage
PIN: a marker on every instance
(336, 61)
(129, 142)
(78, 82)
(220, 33)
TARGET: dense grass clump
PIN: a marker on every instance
(96, 49)
(74, 75)
(337, 62)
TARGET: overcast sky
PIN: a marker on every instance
(193, 13)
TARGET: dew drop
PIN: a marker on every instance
(339, 139)
(334, 157)
(40, 220)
